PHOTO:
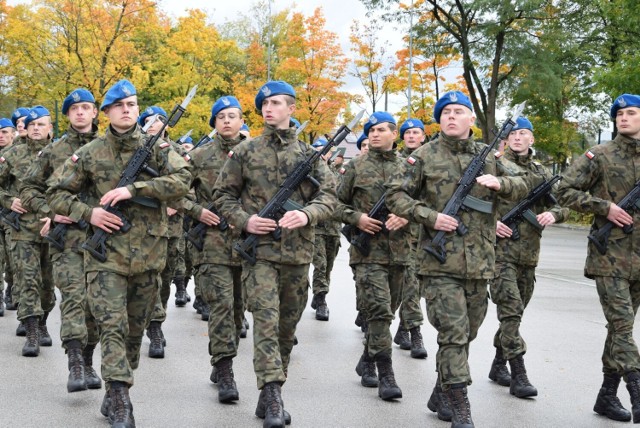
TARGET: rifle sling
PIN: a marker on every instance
(530, 216)
(146, 201)
(478, 204)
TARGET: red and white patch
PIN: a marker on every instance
(342, 171)
(230, 154)
(187, 158)
(2, 159)
(498, 155)
(411, 160)
(164, 145)
(75, 158)
(590, 154)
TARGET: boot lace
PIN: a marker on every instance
(272, 402)
(461, 406)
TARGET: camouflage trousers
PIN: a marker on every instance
(276, 296)
(122, 308)
(619, 299)
(221, 287)
(381, 288)
(410, 310)
(325, 252)
(511, 291)
(6, 262)
(77, 322)
(456, 308)
(34, 277)
(167, 275)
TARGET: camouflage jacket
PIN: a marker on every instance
(34, 186)
(414, 228)
(94, 169)
(362, 185)
(331, 226)
(526, 250)
(176, 221)
(208, 161)
(431, 177)
(605, 174)
(252, 176)
(14, 165)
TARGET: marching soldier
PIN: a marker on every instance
(7, 134)
(123, 289)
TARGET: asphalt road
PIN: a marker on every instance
(563, 326)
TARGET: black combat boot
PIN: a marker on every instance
(186, 284)
(21, 330)
(388, 389)
(227, 389)
(45, 338)
(319, 303)
(197, 304)
(439, 403)
(156, 346)
(359, 319)
(271, 407)
(77, 380)
(181, 291)
(633, 386)
(245, 328)
(499, 372)
(607, 403)
(205, 311)
(8, 299)
(366, 369)
(402, 338)
(120, 408)
(460, 407)
(417, 346)
(31, 347)
(105, 407)
(520, 385)
(90, 375)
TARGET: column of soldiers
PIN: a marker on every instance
(69, 183)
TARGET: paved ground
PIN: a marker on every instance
(563, 326)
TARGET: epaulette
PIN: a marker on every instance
(590, 155)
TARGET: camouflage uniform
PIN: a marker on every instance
(516, 262)
(123, 289)
(380, 276)
(607, 173)
(68, 265)
(456, 291)
(6, 257)
(218, 266)
(33, 274)
(277, 285)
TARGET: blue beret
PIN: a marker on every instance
(360, 140)
(223, 103)
(187, 140)
(119, 91)
(78, 96)
(35, 113)
(295, 122)
(244, 127)
(320, 142)
(275, 87)
(151, 111)
(6, 123)
(20, 112)
(410, 124)
(522, 123)
(624, 101)
(377, 118)
(453, 97)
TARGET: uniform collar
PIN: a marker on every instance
(516, 158)
(627, 143)
(466, 145)
(280, 136)
(383, 155)
(82, 137)
(230, 143)
(128, 139)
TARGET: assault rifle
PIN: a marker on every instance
(461, 198)
(362, 240)
(522, 211)
(182, 139)
(196, 234)
(96, 245)
(630, 203)
(57, 234)
(280, 202)
(205, 139)
(11, 218)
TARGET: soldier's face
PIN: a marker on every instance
(276, 112)
(364, 147)
(520, 140)
(123, 114)
(456, 121)
(381, 137)
(228, 122)
(413, 138)
(81, 116)
(628, 122)
(22, 131)
(6, 136)
(39, 129)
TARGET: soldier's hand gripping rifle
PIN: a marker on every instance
(461, 198)
(57, 234)
(197, 233)
(362, 240)
(630, 203)
(11, 218)
(96, 245)
(280, 202)
(522, 211)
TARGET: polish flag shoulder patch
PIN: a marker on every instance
(589, 154)
(75, 158)
(40, 153)
(342, 170)
(2, 159)
(498, 155)
(411, 160)
(230, 154)
(187, 158)
(164, 145)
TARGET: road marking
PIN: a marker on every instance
(565, 279)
